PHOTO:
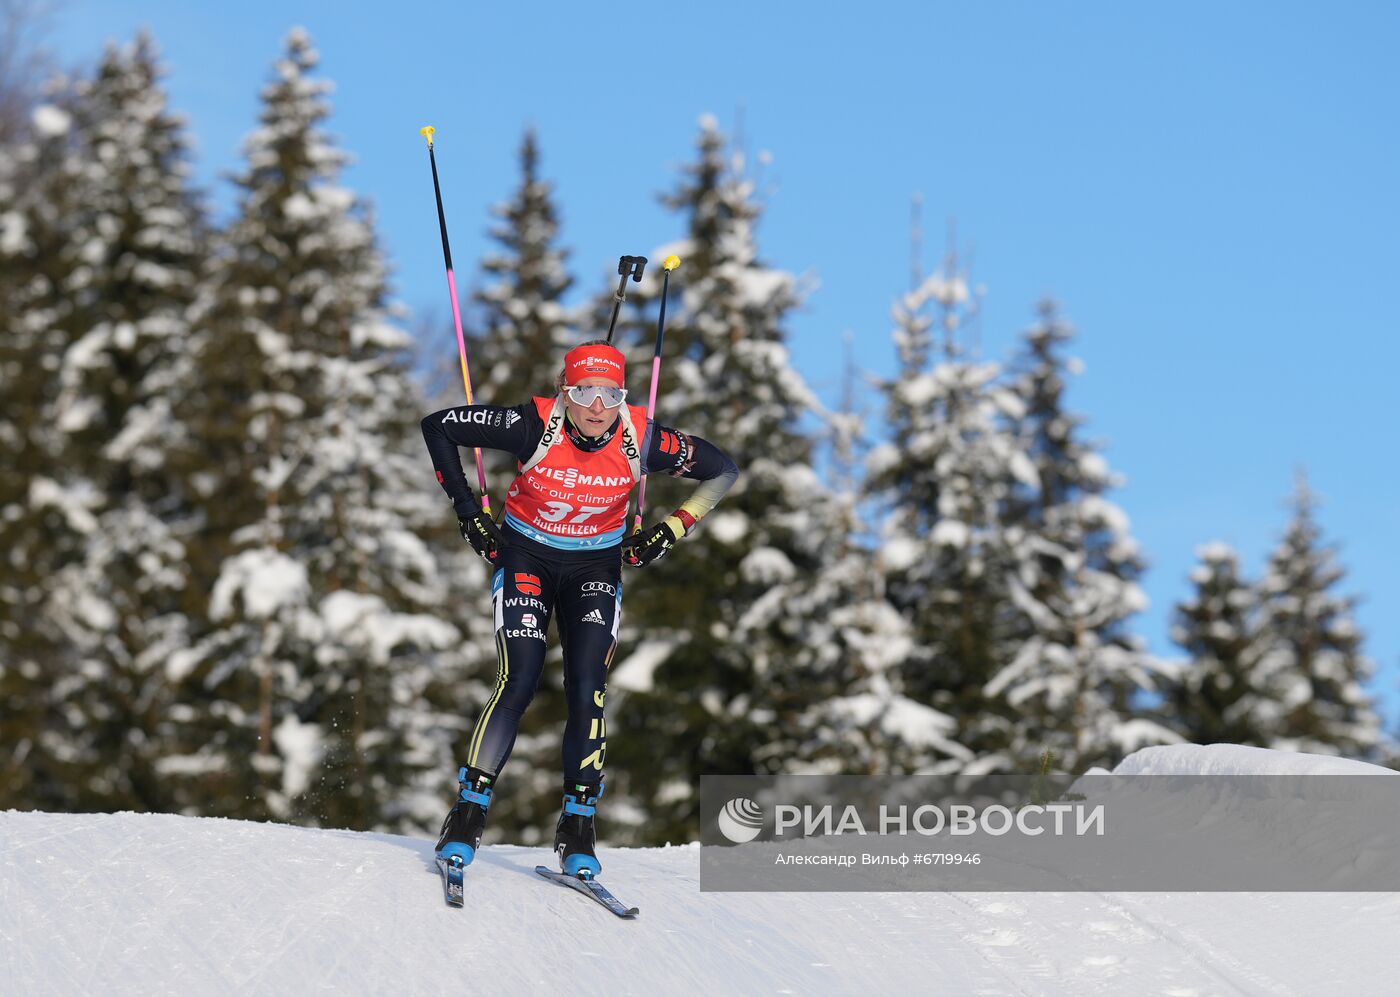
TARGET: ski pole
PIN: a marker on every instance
(627, 266)
(427, 132)
(672, 262)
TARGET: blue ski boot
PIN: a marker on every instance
(574, 839)
(461, 831)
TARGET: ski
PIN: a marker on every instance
(451, 870)
(589, 888)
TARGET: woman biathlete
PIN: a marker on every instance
(559, 554)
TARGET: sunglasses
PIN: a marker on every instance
(612, 397)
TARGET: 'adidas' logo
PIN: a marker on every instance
(595, 617)
(512, 417)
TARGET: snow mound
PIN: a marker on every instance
(1238, 759)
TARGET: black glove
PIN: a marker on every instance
(481, 531)
(641, 548)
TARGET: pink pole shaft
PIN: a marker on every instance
(467, 382)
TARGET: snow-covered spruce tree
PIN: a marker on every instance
(131, 267)
(1074, 682)
(1312, 663)
(105, 246)
(728, 620)
(845, 673)
(313, 681)
(41, 528)
(1214, 696)
(944, 480)
(838, 681)
(522, 323)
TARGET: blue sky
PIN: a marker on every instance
(1209, 189)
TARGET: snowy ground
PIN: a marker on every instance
(132, 903)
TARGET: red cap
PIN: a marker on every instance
(583, 362)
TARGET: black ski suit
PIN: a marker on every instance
(580, 588)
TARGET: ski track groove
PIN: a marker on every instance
(1046, 965)
(980, 950)
(899, 926)
(1222, 965)
(1223, 969)
(274, 939)
(46, 872)
(657, 886)
(1209, 966)
(394, 908)
(332, 903)
(67, 832)
(200, 955)
(249, 902)
(100, 868)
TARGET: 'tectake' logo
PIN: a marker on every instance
(529, 584)
(741, 820)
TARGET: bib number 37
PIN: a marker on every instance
(554, 512)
